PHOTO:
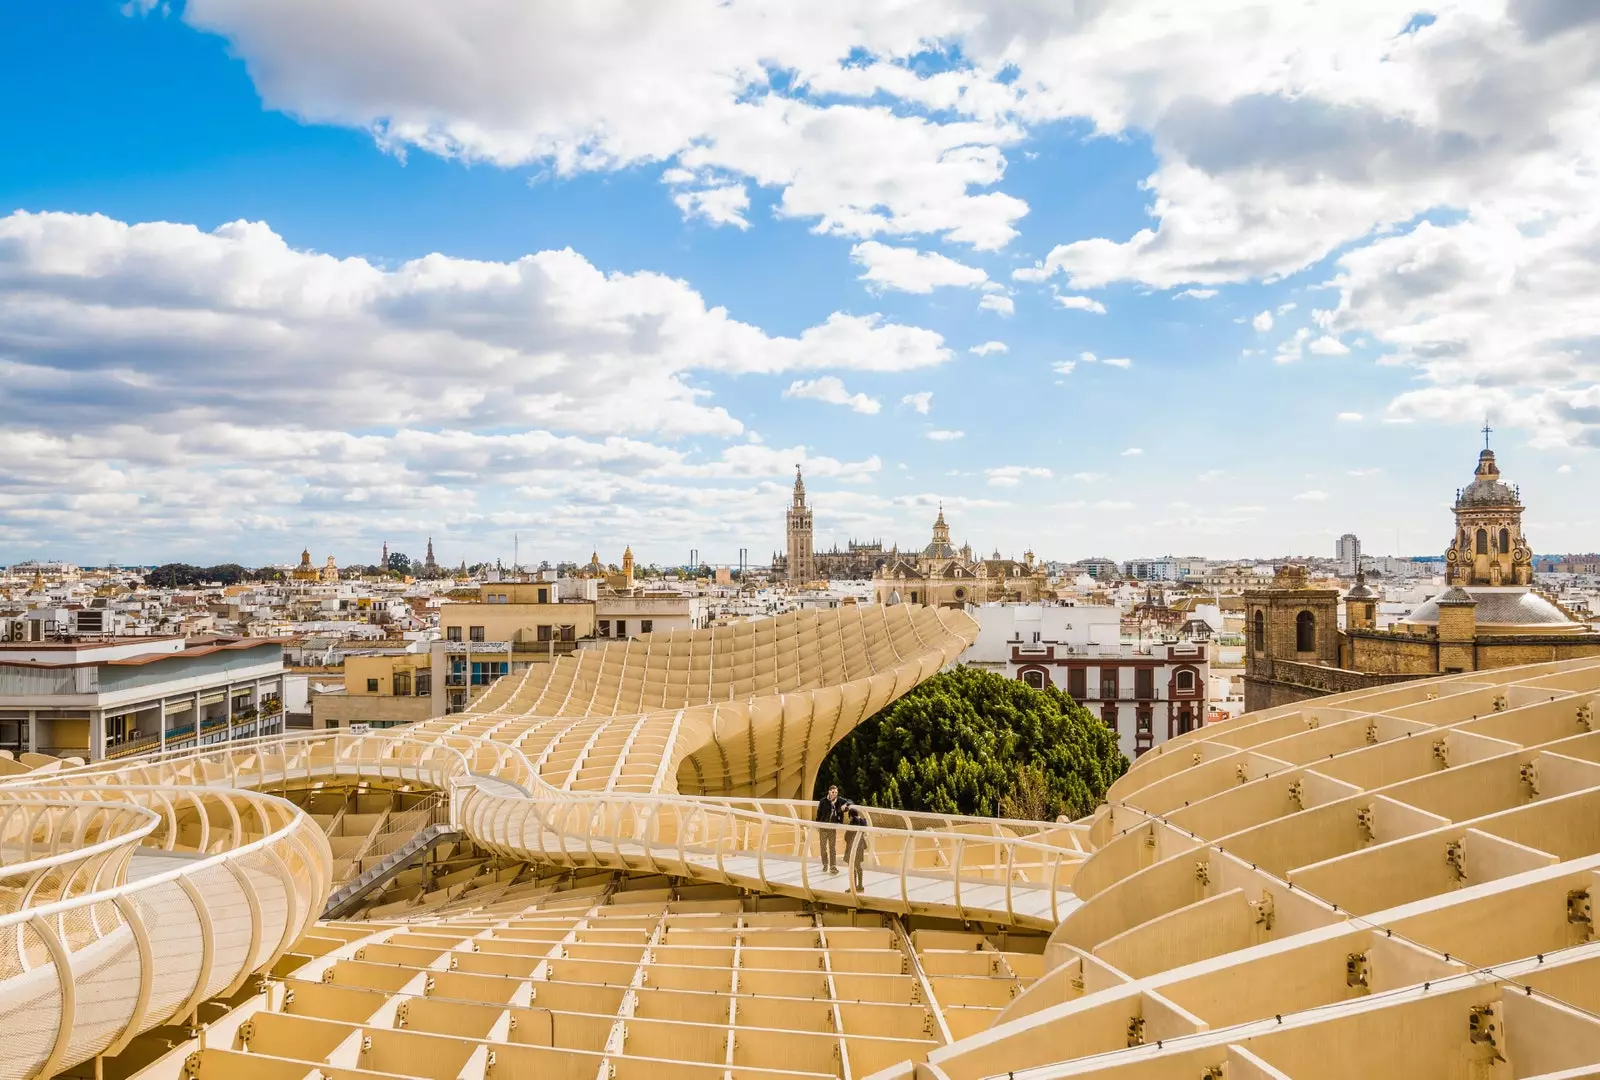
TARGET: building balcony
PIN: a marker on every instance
(543, 648)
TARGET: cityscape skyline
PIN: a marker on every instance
(1241, 301)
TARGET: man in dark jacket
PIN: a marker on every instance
(830, 812)
(855, 843)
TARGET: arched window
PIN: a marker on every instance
(1261, 632)
(1034, 679)
(1483, 542)
(1505, 540)
(1186, 681)
(1305, 632)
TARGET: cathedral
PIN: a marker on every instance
(939, 574)
(800, 563)
(942, 575)
(1488, 616)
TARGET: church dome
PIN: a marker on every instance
(1487, 489)
(1511, 607)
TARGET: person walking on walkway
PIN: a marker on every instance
(855, 843)
(830, 812)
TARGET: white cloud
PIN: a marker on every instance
(1196, 294)
(1262, 322)
(921, 401)
(909, 270)
(723, 204)
(1132, 451)
(227, 388)
(1349, 417)
(1209, 475)
(943, 435)
(830, 390)
(997, 302)
(988, 348)
(1081, 303)
(1292, 348)
(1012, 475)
(1089, 477)
(1064, 367)
(1327, 345)
(1311, 496)
(1118, 362)
(1284, 309)
(1373, 471)
(1564, 469)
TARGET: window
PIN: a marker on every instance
(568, 632)
(1036, 637)
(402, 684)
(1034, 679)
(424, 684)
(1505, 540)
(544, 596)
(622, 627)
(1186, 682)
(646, 625)
(1185, 721)
(1076, 679)
(603, 628)
(544, 633)
(372, 686)
(1144, 683)
(1108, 683)
(1258, 642)
(1305, 632)
(474, 633)
(1483, 542)
(452, 633)
(1144, 722)
(1108, 716)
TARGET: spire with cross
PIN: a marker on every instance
(1487, 430)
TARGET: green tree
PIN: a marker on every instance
(969, 741)
(399, 562)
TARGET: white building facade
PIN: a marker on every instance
(130, 695)
(1147, 694)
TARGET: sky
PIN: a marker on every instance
(1121, 279)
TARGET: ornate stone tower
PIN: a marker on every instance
(797, 524)
(1360, 605)
(627, 567)
(1288, 626)
(428, 562)
(1488, 548)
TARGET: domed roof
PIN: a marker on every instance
(1506, 606)
(1486, 488)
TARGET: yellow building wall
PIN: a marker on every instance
(514, 621)
(359, 669)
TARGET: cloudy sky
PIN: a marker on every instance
(1105, 278)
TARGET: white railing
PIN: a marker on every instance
(977, 868)
(96, 954)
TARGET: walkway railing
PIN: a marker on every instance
(129, 905)
(970, 868)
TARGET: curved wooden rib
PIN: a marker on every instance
(1394, 882)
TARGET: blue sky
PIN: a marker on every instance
(289, 275)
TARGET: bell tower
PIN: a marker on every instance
(797, 525)
(1488, 548)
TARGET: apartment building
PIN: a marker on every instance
(1146, 693)
(121, 696)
